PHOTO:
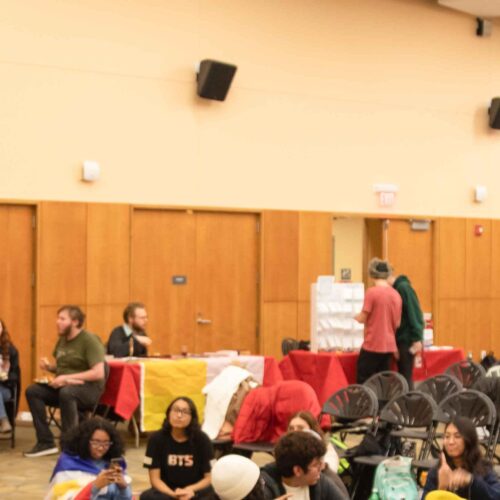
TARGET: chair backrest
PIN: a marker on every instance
(466, 371)
(440, 386)
(471, 404)
(352, 403)
(494, 371)
(412, 409)
(289, 344)
(386, 386)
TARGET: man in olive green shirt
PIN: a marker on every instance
(78, 382)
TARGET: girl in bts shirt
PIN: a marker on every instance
(178, 456)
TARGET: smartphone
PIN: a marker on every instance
(115, 463)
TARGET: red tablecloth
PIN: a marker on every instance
(329, 372)
(123, 386)
(322, 371)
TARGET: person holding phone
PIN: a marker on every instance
(91, 465)
(462, 469)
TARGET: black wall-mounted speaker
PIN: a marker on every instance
(494, 113)
(214, 79)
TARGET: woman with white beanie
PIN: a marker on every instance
(237, 478)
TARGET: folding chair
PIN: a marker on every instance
(467, 372)
(440, 386)
(11, 407)
(349, 407)
(411, 415)
(386, 386)
(84, 412)
(289, 344)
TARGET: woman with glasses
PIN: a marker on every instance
(178, 456)
(91, 465)
(462, 468)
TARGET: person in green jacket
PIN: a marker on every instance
(409, 335)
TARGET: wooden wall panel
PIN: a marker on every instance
(477, 327)
(478, 259)
(46, 334)
(16, 290)
(451, 258)
(315, 250)
(373, 245)
(62, 253)
(279, 320)
(101, 319)
(495, 327)
(495, 259)
(450, 324)
(304, 321)
(280, 245)
(108, 253)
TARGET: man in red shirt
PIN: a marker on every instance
(381, 315)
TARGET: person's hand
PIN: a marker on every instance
(44, 364)
(143, 340)
(396, 355)
(119, 478)
(459, 478)
(58, 382)
(444, 474)
(416, 347)
(105, 477)
(184, 493)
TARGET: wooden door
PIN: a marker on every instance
(226, 281)
(197, 275)
(163, 247)
(410, 252)
(16, 278)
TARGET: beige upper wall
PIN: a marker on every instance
(330, 97)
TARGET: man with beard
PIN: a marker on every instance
(130, 339)
(78, 382)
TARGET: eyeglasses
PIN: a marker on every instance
(181, 411)
(100, 444)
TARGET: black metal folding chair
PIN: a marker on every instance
(467, 372)
(411, 416)
(353, 409)
(289, 344)
(386, 386)
(440, 386)
(11, 407)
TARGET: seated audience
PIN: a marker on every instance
(297, 470)
(303, 421)
(91, 465)
(130, 339)
(462, 469)
(178, 456)
(9, 374)
(78, 383)
(237, 478)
